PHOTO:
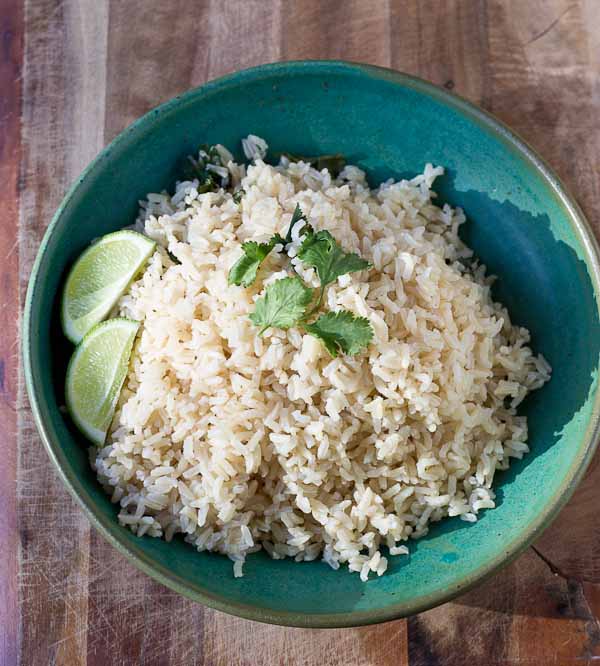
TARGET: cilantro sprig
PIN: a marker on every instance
(208, 169)
(285, 303)
(297, 216)
(322, 252)
(211, 172)
(243, 273)
(341, 331)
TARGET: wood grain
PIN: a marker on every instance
(62, 111)
(11, 59)
(90, 68)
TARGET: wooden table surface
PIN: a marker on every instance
(73, 73)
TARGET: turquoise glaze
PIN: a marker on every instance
(521, 223)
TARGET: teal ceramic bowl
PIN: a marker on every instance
(522, 224)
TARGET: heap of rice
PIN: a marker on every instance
(243, 442)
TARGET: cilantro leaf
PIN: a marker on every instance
(333, 163)
(322, 251)
(341, 331)
(243, 272)
(296, 217)
(208, 169)
(283, 304)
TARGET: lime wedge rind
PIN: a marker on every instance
(90, 284)
(96, 373)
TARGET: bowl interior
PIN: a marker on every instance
(518, 225)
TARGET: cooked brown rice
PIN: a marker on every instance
(241, 442)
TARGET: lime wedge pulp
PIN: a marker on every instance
(98, 279)
(96, 374)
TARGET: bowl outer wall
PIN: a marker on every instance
(114, 533)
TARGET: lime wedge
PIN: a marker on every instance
(96, 374)
(99, 277)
